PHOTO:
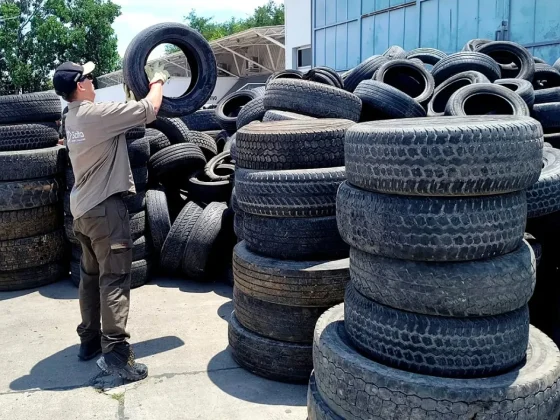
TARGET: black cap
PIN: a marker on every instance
(67, 75)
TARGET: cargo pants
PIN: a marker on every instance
(104, 234)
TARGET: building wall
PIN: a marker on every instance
(298, 28)
(346, 32)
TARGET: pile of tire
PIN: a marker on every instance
(291, 265)
(32, 246)
(435, 317)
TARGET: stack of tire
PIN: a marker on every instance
(291, 264)
(435, 320)
(138, 153)
(32, 247)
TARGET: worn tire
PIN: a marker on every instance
(544, 96)
(139, 152)
(205, 142)
(176, 241)
(445, 156)
(253, 111)
(173, 128)
(231, 106)
(28, 194)
(207, 191)
(475, 44)
(505, 53)
(28, 136)
(408, 77)
(32, 222)
(487, 287)
(296, 95)
(137, 223)
(427, 55)
(429, 228)
(135, 133)
(363, 71)
(442, 94)
(33, 277)
(29, 164)
(544, 196)
(297, 193)
(284, 145)
(69, 230)
(274, 115)
(202, 120)
(292, 283)
(201, 240)
(317, 408)
(466, 61)
(30, 108)
(520, 86)
(158, 142)
(549, 116)
(529, 391)
(271, 359)
(486, 99)
(159, 223)
(22, 253)
(214, 164)
(294, 238)
(177, 161)
(381, 102)
(199, 54)
(546, 77)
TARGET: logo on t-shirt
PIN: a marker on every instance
(75, 136)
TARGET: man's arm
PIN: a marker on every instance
(156, 95)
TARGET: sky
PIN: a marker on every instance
(140, 14)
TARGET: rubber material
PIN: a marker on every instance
(31, 222)
(159, 222)
(27, 136)
(544, 196)
(27, 164)
(466, 61)
(522, 87)
(19, 254)
(28, 194)
(436, 106)
(486, 99)
(505, 53)
(29, 108)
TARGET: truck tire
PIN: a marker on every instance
(31, 222)
(403, 227)
(28, 164)
(28, 194)
(505, 53)
(408, 77)
(520, 86)
(477, 155)
(23, 253)
(27, 136)
(33, 277)
(442, 94)
(30, 108)
(534, 384)
(199, 54)
(292, 283)
(466, 61)
(317, 408)
(296, 95)
(486, 99)
(544, 196)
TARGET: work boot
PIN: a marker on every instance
(90, 349)
(126, 367)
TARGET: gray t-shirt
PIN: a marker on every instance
(98, 151)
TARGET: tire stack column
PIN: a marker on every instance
(32, 247)
(435, 322)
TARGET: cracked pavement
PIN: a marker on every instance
(178, 329)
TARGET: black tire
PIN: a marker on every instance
(159, 223)
(200, 57)
(317, 408)
(211, 168)
(298, 193)
(177, 161)
(486, 99)
(28, 164)
(204, 190)
(324, 75)
(546, 77)
(437, 346)
(505, 53)
(174, 129)
(395, 394)
(231, 105)
(32, 222)
(549, 116)
(381, 102)
(520, 86)
(202, 120)
(466, 61)
(285, 74)
(238, 226)
(30, 278)
(274, 115)
(27, 136)
(28, 194)
(206, 143)
(22, 253)
(271, 359)
(176, 241)
(215, 134)
(30, 108)
(294, 238)
(544, 96)
(135, 133)
(158, 143)
(139, 152)
(464, 289)
(436, 107)
(469, 228)
(292, 283)
(253, 111)
(296, 95)
(294, 324)
(283, 145)
(395, 53)
(69, 230)
(544, 196)
(473, 156)
(408, 77)
(475, 44)
(135, 203)
(427, 55)
(363, 71)
(137, 223)
(201, 240)
(140, 176)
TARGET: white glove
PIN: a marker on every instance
(157, 73)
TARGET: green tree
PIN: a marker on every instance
(270, 14)
(37, 35)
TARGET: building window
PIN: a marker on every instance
(304, 57)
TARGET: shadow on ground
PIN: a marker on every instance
(63, 370)
(224, 372)
(63, 289)
(221, 288)
(225, 311)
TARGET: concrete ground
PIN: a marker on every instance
(178, 328)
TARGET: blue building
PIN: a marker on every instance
(345, 32)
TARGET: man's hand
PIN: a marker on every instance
(157, 73)
(129, 95)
